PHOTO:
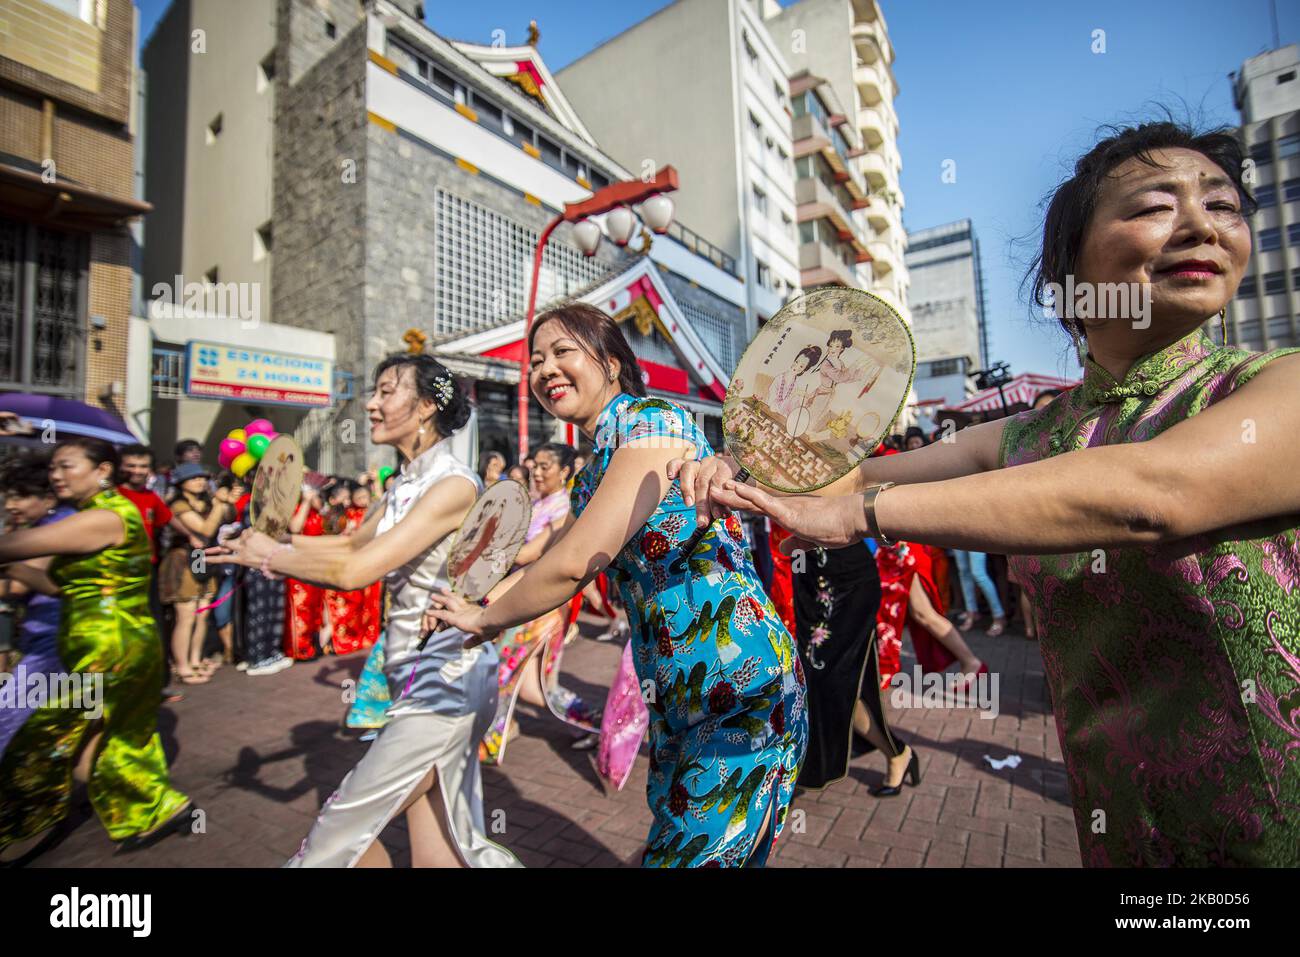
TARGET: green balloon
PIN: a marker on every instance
(383, 476)
(257, 443)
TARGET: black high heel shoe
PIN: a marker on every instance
(912, 776)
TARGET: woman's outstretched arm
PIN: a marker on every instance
(80, 534)
(632, 487)
(1236, 462)
(438, 513)
(966, 452)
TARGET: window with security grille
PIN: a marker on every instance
(42, 308)
(716, 332)
(485, 262)
(652, 347)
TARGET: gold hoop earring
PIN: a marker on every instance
(1223, 325)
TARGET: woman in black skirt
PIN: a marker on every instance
(836, 595)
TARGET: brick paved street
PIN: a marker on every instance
(259, 755)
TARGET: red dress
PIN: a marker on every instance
(304, 606)
(355, 616)
(898, 565)
(782, 590)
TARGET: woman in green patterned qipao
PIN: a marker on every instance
(107, 719)
(1151, 512)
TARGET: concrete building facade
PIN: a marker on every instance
(210, 74)
(711, 92)
(67, 197)
(1265, 314)
(948, 320)
(406, 179)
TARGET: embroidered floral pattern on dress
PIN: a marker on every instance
(728, 727)
(1174, 669)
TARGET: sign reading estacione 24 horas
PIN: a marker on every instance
(214, 371)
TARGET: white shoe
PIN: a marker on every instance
(284, 663)
(242, 666)
(267, 669)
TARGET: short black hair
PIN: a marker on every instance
(1070, 208)
(137, 449)
(26, 475)
(183, 446)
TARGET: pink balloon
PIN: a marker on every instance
(224, 459)
(229, 449)
(260, 425)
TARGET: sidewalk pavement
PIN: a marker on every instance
(260, 755)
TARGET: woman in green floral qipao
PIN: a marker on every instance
(1151, 512)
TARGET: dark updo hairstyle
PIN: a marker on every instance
(26, 475)
(429, 375)
(813, 354)
(565, 455)
(1070, 209)
(97, 450)
(843, 335)
(599, 337)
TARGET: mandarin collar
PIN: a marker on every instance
(424, 463)
(1150, 374)
(607, 422)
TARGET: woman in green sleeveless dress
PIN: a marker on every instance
(106, 718)
(1151, 513)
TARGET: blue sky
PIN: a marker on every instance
(1010, 90)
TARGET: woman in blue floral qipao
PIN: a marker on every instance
(718, 670)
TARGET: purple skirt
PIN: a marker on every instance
(25, 690)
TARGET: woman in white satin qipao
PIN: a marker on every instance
(425, 760)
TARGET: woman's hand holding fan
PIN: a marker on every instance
(776, 447)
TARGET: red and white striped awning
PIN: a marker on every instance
(1023, 388)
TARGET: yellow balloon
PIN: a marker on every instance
(239, 435)
(242, 463)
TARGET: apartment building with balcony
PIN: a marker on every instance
(841, 48)
(67, 197)
(1265, 314)
(704, 83)
(829, 189)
